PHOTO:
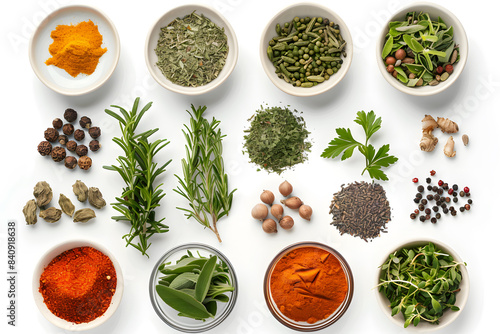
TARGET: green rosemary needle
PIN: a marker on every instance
(140, 197)
(204, 183)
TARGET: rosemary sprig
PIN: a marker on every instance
(140, 197)
(205, 184)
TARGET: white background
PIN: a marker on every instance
(28, 108)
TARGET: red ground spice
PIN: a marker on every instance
(78, 284)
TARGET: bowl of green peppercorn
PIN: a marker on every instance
(306, 49)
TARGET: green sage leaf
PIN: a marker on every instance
(182, 302)
(205, 278)
(387, 47)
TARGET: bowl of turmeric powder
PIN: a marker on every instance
(308, 286)
(77, 285)
(74, 50)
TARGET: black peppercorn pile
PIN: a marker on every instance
(361, 209)
(441, 200)
(58, 153)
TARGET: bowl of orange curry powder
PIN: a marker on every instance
(308, 286)
(77, 285)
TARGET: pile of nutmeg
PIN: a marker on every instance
(261, 211)
(58, 153)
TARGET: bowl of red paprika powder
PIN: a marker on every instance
(77, 285)
(308, 286)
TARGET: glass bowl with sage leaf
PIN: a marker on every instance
(423, 49)
(191, 49)
(193, 288)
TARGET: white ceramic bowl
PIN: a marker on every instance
(58, 79)
(460, 38)
(179, 12)
(286, 15)
(448, 316)
(61, 323)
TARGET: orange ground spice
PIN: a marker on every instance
(76, 49)
(308, 284)
(78, 284)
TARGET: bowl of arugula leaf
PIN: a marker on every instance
(422, 50)
(423, 285)
(193, 288)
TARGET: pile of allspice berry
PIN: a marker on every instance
(43, 197)
(58, 153)
(261, 210)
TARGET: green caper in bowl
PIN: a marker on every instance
(307, 51)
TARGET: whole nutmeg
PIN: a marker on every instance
(286, 222)
(277, 211)
(58, 154)
(70, 162)
(44, 148)
(85, 122)
(63, 139)
(51, 134)
(95, 132)
(57, 123)
(84, 162)
(269, 226)
(260, 211)
(68, 129)
(292, 202)
(81, 150)
(94, 145)
(70, 115)
(71, 145)
(285, 188)
(267, 197)
(79, 135)
(305, 211)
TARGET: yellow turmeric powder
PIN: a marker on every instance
(76, 49)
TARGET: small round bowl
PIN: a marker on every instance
(58, 79)
(449, 316)
(170, 316)
(61, 323)
(305, 326)
(286, 15)
(459, 37)
(165, 20)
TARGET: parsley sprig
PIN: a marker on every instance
(374, 159)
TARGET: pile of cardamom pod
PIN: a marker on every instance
(43, 196)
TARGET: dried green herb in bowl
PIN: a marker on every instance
(192, 50)
(277, 139)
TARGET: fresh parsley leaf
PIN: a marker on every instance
(369, 122)
(346, 143)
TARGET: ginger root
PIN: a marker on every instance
(429, 123)
(428, 141)
(448, 148)
(447, 125)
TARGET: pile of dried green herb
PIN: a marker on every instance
(361, 209)
(277, 139)
(191, 51)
